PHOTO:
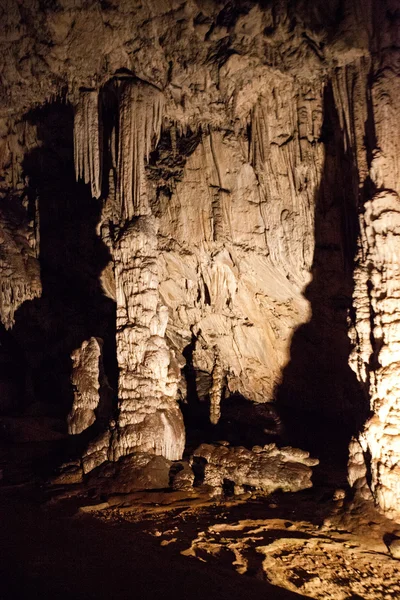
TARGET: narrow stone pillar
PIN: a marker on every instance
(85, 379)
(149, 418)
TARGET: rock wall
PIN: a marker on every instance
(229, 148)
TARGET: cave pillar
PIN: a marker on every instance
(149, 419)
(374, 465)
(376, 357)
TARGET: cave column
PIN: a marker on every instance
(148, 417)
(374, 464)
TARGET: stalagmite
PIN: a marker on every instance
(374, 115)
(216, 389)
(88, 141)
(149, 418)
(85, 381)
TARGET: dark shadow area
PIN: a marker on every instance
(320, 398)
(242, 422)
(72, 307)
(46, 555)
(12, 384)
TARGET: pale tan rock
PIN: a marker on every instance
(214, 245)
(19, 267)
(376, 355)
(395, 548)
(216, 390)
(85, 379)
(270, 469)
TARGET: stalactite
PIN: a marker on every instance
(140, 117)
(19, 269)
(287, 155)
(88, 141)
(349, 85)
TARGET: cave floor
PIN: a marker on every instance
(66, 542)
(180, 545)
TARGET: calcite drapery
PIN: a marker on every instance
(140, 116)
(236, 238)
(149, 419)
(88, 140)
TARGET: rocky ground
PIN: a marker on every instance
(301, 542)
(76, 541)
(309, 544)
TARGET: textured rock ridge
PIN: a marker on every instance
(85, 379)
(148, 419)
(374, 457)
(19, 268)
(224, 152)
(267, 469)
(88, 141)
(377, 341)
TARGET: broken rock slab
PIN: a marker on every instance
(184, 478)
(267, 468)
(139, 471)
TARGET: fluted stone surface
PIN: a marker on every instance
(231, 148)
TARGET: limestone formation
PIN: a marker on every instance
(149, 418)
(216, 390)
(375, 333)
(139, 471)
(19, 267)
(85, 381)
(228, 174)
(267, 469)
(377, 343)
(88, 141)
(184, 479)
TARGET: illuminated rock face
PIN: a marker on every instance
(149, 418)
(211, 137)
(268, 468)
(377, 342)
(85, 379)
(375, 455)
